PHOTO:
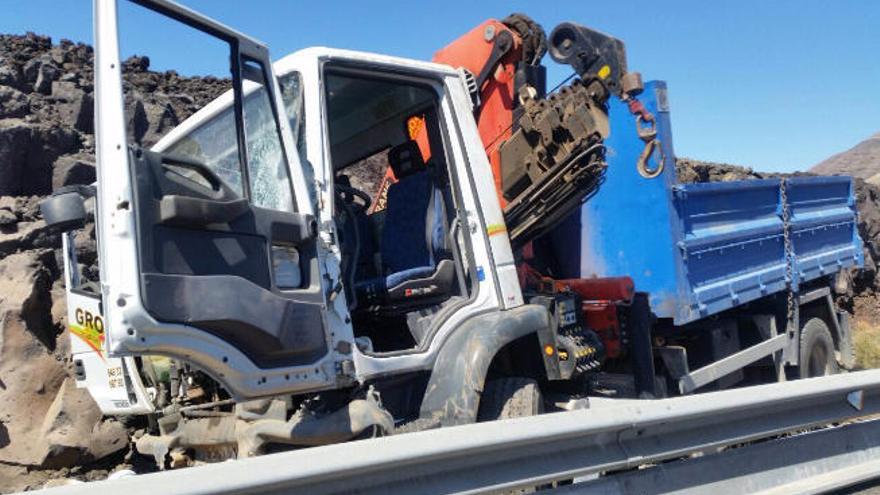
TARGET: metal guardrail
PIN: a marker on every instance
(579, 445)
(815, 462)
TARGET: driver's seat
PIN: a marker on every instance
(416, 264)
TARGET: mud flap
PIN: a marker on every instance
(453, 393)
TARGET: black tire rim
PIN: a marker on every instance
(818, 363)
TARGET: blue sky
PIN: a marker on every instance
(777, 85)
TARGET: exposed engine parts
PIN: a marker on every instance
(198, 421)
(174, 385)
(206, 434)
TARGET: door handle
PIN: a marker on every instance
(186, 211)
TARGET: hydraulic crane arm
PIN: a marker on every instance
(546, 152)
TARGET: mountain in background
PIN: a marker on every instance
(862, 161)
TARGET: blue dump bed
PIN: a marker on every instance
(699, 249)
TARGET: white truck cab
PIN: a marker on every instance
(379, 94)
(238, 250)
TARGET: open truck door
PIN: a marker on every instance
(208, 242)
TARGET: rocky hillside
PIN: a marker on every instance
(48, 427)
(690, 170)
(862, 161)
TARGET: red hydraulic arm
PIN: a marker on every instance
(491, 50)
(528, 137)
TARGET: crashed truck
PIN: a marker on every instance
(347, 244)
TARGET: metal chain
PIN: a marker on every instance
(789, 251)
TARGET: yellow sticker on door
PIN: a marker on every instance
(90, 328)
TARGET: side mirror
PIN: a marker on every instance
(65, 209)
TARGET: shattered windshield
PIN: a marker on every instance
(269, 175)
(294, 107)
(210, 144)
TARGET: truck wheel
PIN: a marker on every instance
(510, 397)
(817, 350)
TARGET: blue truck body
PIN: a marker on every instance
(699, 249)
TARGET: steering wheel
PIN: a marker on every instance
(348, 193)
(352, 209)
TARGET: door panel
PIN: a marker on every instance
(206, 253)
(218, 275)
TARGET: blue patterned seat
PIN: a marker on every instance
(415, 259)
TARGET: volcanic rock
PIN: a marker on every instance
(32, 364)
(73, 169)
(73, 431)
(13, 103)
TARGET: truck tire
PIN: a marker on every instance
(510, 397)
(816, 350)
(845, 345)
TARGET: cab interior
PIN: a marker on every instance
(394, 207)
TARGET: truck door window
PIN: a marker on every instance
(158, 96)
(213, 144)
